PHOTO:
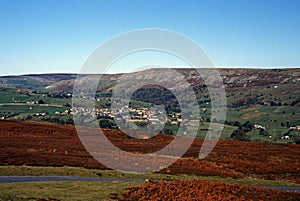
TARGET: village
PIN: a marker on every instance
(138, 115)
(141, 116)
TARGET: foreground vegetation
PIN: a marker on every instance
(90, 191)
(97, 190)
(204, 190)
(83, 172)
(62, 190)
(37, 144)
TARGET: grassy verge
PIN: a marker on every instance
(66, 191)
(78, 171)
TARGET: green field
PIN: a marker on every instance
(66, 191)
(276, 119)
(9, 95)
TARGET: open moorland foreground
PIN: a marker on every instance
(203, 190)
(33, 148)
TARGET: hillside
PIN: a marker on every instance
(39, 144)
(268, 98)
(283, 84)
(233, 77)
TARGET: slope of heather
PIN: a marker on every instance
(31, 143)
(204, 190)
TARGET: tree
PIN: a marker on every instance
(263, 132)
(297, 140)
(248, 125)
(70, 121)
(236, 123)
(67, 105)
(41, 102)
(57, 120)
(29, 117)
(167, 131)
(240, 134)
(106, 123)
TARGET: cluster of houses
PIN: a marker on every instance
(69, 111)
(256, 126)
(295, 128)
(27, 102)
(142, 115)
(126, 113)
(41, 114)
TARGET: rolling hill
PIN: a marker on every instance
(265, 97)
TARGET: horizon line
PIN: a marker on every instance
(178, 67)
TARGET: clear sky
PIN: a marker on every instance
(39, 36)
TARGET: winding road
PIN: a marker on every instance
(11, 179)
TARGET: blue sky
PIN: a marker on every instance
(40, 36)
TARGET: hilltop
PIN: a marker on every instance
(234, 78)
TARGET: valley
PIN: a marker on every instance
(258, 146)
